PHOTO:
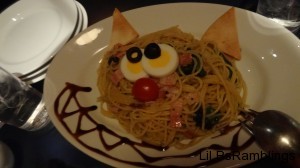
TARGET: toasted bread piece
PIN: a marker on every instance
(223, 32)
(122, 31)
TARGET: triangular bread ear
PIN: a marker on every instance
(122, 31)
(223, 32)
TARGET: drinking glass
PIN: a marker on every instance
(284, 12)
(21, 105)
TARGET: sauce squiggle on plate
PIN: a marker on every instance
(70, 92)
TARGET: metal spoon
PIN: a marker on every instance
(274, 131)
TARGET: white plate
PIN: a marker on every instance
(7, 158)
(37, 76)
(84, 15)
(80, 19)
(270, 65)
(40, 73)
(32, 31)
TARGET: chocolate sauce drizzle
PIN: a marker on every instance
(73, 89)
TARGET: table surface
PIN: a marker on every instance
(47, 148)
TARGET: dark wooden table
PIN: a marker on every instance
(47, 148)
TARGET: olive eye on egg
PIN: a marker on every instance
(152, 51)
(134, 54)
(131, 65)
(165, 64)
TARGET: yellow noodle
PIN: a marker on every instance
(220, 92)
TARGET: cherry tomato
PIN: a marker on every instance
(145, 89)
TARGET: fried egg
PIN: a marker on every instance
(163, 65)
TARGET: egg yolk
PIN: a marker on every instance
(161, 61)
(134, 55)
(134, 67)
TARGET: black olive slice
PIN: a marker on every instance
(134, 54)
(152, 51)
(113, 59)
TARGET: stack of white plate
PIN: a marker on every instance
(33, 31)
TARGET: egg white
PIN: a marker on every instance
(130, 75)
(166, 67)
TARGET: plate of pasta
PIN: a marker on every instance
(168, 92)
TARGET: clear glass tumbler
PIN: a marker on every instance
(284, 12)
(21, 105)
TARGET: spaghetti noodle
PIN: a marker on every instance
(204, 98)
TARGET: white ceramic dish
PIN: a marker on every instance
(7, 159)
(270, 65)
(81, 25)
(80, 19)
(84, 15)
(38, 76)
(32, 31)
